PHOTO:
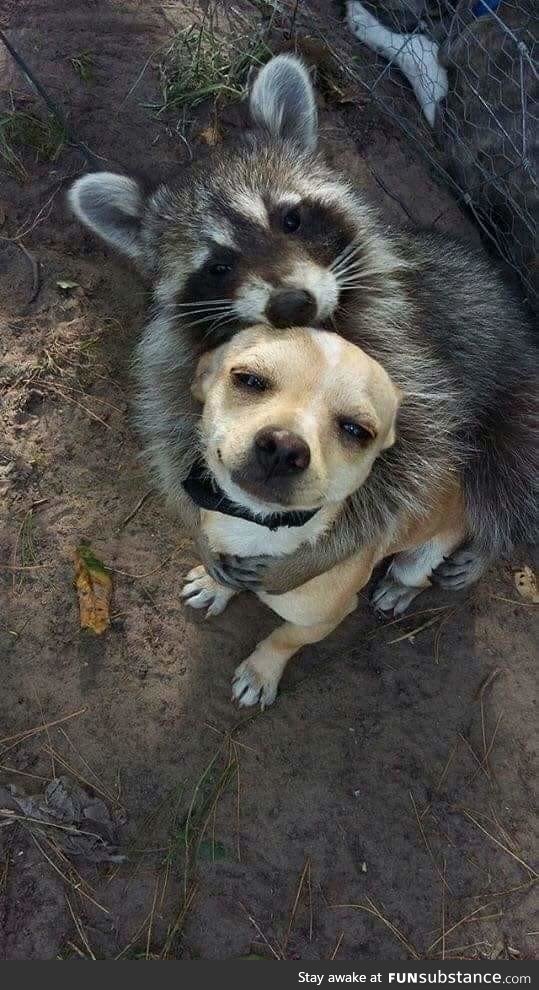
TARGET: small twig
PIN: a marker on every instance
(443, 910)
(53, 768)
(34, 265)
(457, 924)
(238, 800)
(513, 601)
(487, 682)
(489, 750)
(137, 577)
(178, 924)
(80, 930)
(292, 916)
(471, 750)
(23, 773)
(497, 842)
(338, 944)
(428, 846)
(77, 887)
(448, 763)
(479, 697)
(274, 952)
(414, 632)
(150, 922)
(370, 908)
(27, 733)
(137, 508)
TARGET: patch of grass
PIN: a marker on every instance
(204, 62)
(83, 65)
(22, 130)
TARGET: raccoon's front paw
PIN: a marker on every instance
(461, 569)
(252, 686)
(201, 591)
(391, 597)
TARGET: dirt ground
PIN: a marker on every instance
(383, 808)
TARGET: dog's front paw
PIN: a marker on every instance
(201, 591)
(254, 687)
(390, 597)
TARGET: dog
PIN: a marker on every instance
(292, 425)
(264, 231)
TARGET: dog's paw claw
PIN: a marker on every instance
(250, 688)
(201, 591)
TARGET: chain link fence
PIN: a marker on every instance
(470, 65)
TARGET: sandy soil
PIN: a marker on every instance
(367, 783)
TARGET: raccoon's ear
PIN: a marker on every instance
(282, 101)
(111, 205)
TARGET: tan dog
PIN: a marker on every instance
(292, 424)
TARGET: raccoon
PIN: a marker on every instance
(266, 232)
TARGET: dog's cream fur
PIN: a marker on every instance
(315, 381)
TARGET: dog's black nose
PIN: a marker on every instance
(291, 308)
(280, 452)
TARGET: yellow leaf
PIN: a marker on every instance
(526, 585)
(210, 135)
(94, 590)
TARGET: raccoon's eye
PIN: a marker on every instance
(220, 269)
(291, 221)
(357, 432)
(248, 380)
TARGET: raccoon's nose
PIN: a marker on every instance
(291, 308)
(281, 452)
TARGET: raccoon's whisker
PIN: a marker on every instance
(350, 248)
(192, 323)
(354, 266)
(203, 314)
(348, 263)
(205, 302)
(217, 325)
(197, 308)
(353, 275)
(346, 255)
(349, 273)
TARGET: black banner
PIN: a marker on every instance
(266, 975)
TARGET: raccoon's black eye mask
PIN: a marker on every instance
(205, 492)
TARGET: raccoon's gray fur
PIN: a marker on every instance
(269, 213)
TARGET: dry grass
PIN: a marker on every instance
(83, 65)
(210, 60)
(23, 132)
(370, 907)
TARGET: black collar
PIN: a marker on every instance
(205, 492)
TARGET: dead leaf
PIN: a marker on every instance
(94, 590)
(526, 585)
(66, 284)
(79, 820)
(210, 135)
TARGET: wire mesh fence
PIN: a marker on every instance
(470, 65)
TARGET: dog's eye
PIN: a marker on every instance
(248, 380)
(356, 431)
(219, 269)
(291, 221)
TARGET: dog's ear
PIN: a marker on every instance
(282, 101)
(205, 370)
(392, 433)
(111, 205)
